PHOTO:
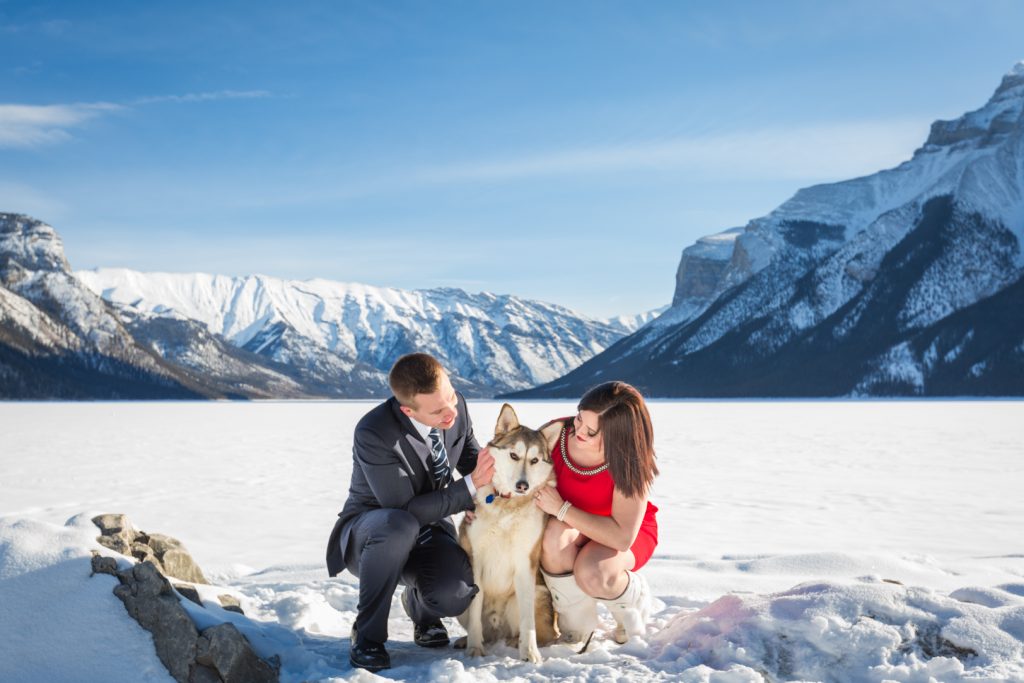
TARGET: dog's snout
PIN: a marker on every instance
(522, 486)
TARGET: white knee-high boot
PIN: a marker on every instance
(632, 609)
(577, 611)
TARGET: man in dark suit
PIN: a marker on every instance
(395, 526)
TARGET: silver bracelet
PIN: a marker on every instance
(564, 509)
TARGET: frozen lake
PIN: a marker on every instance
(829, 541)
(259, 484)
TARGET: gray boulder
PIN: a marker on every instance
(230, 603)
(219, 654)
(116, 532)
(188, 592)
(179, 564)
(151, 601)
(223, 648)
(167, 554)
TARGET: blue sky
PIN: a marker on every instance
(562, 151)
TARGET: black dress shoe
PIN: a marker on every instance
(369, 656)
(430, 634)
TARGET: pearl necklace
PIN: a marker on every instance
(577, 470)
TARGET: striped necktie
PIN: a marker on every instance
(439, 470)
(439, 467)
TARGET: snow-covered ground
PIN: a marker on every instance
(831, 541)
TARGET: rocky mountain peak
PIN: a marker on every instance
(29, 244)
(702, 266)
(1001, 115)
(1014, 79)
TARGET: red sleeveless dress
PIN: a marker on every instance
(593, 493)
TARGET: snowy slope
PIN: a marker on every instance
(491, 343)
(26, 328)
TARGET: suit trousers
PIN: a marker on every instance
(383, 552)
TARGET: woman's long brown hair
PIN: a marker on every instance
(627, 434)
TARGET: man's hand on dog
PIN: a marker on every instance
(548, 500)
(484, 470)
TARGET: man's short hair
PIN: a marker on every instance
(414, 373)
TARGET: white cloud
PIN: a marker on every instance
(820, 152)
(26, 125)
(204, 96)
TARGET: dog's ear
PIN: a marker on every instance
(551, 431)
(507, 420)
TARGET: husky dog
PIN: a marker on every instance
(503, 543)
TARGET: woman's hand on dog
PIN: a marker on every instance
(484, 470)
(548, 499)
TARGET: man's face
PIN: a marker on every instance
(438, 409)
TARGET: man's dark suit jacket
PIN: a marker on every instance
(389, 470)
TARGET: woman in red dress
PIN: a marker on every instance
(604, 528)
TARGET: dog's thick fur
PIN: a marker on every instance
(503, 543)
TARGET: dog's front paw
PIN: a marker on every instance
(530, 654)
(475, 650)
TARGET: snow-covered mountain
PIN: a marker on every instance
(123, 334)
(342, 338)
(58, 339)
(907, 281)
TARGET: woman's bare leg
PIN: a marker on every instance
(559, 547)
(601, 571)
